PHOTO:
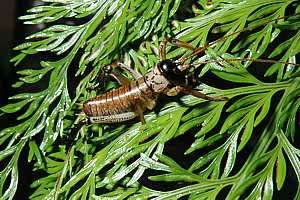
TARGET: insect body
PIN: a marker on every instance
(121, 104)
(134, 97)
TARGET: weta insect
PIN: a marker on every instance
(134, 97)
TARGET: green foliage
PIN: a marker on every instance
(243, 147)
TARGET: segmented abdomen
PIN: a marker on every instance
(116, 105)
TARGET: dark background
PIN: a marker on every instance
(12, 33)
(8, 24)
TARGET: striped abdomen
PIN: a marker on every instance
(119, 105)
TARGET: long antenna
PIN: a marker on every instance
(250, 59)
(201, 49)
(239, 59)
(186, 66)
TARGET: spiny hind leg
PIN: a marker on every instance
(199, 94)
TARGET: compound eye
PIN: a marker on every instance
(166, 66)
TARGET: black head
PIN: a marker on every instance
(171, 71)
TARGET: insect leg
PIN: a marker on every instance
(180, 43)
(175, 42)
(132, 72)
(107, 71)
(139, 111)
(198, 94)
(162, 49)
(122, 80)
